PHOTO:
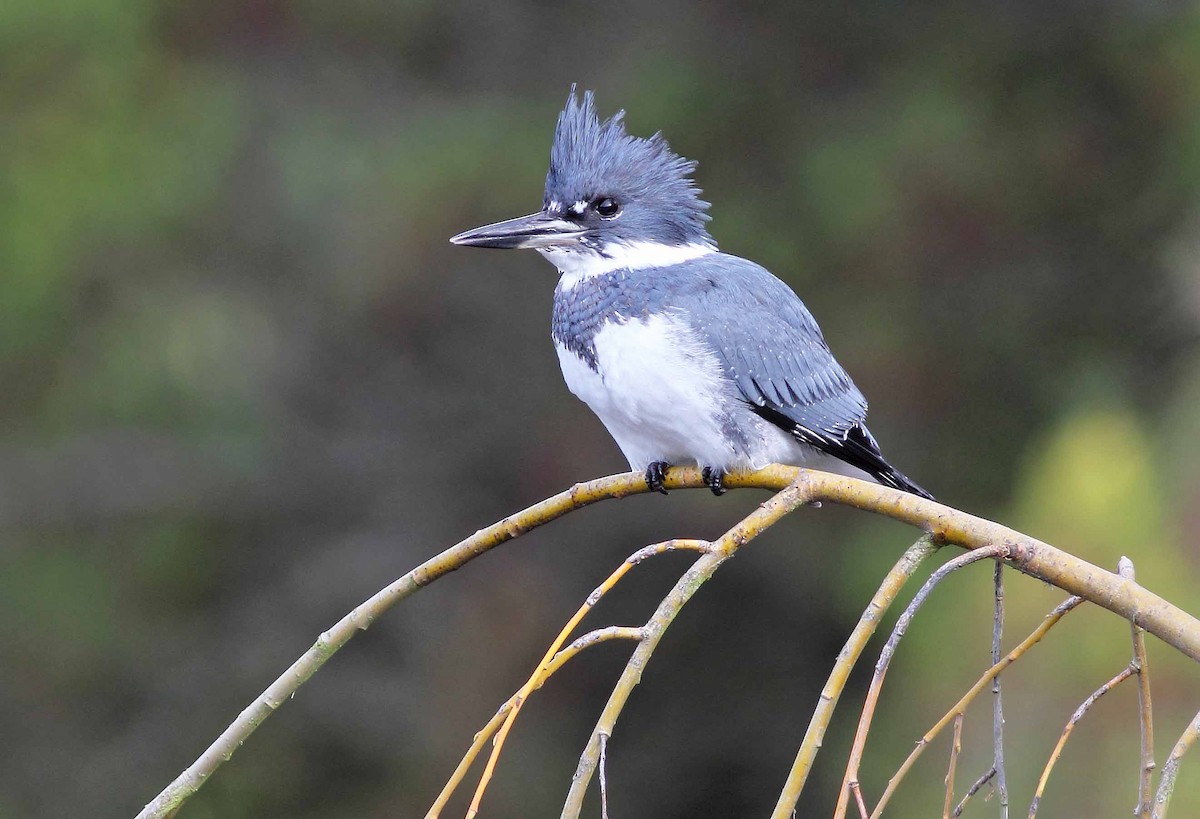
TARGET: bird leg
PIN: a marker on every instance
(714, 479)
(655, 474)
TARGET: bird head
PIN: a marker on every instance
(606, 192)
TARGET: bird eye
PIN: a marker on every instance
(607, 207)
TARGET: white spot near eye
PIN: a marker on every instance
(579, 208)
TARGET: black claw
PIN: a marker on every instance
(714, 479)
(655, 474)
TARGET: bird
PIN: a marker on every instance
(688, 355)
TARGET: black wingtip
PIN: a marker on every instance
(857, 448)
(898, 480)
(860, 449)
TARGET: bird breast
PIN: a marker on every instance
(657, 388)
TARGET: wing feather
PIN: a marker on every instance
(771, 346)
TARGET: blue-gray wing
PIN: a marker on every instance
(771, 347)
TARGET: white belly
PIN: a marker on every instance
(663, 397)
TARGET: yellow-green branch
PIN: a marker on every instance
(1120, 595)
(960, 707)
(1166, 784)
(850, 782)
(1145, 707)
(553, 659)
(900, 574)
(1079, 713)
(699, 573)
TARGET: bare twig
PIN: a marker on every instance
(540, 674)
(904, 569)
(983, 779)
(1117, 594)
(856, 789)
(1145, 710)
(1166, 785)
(955, 749)
(1125, 674)
(588, 640)
(997, 701)
(469, 757)
(604, 776)
(507, 713)
(960, 707)
(750, 527)
(885, 659)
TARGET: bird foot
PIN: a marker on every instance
(655, 474)
(714, 479)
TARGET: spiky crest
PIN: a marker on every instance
(592, 158)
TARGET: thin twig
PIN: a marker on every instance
(539, 675)
(856, 789)
(604, 776)
(885, 659)
(469, 757)
(997, 701)
(1166, 785)
(1125, 674)
(1145, 709)
(900, 574)
(960, 707)
(955, 749)
(983, 779)
(588, 640)
(750, 527)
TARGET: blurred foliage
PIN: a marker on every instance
(233, 335)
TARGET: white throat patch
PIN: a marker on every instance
(582, 263)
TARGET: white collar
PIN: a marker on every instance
(578, 264)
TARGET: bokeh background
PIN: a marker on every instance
(247, 382)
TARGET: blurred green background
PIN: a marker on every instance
(247, 382)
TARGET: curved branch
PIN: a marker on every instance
(544, 670)
(960, 707)
(168, 802)
(1122, 596)
(588, 640)
(850, 782)
(1145, 707)
(1121, 677)
(900, 574)
(1166, 785)
(704, 568)
(1106, 589)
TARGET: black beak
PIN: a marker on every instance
(534, 230)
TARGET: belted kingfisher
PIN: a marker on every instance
(689, 356)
